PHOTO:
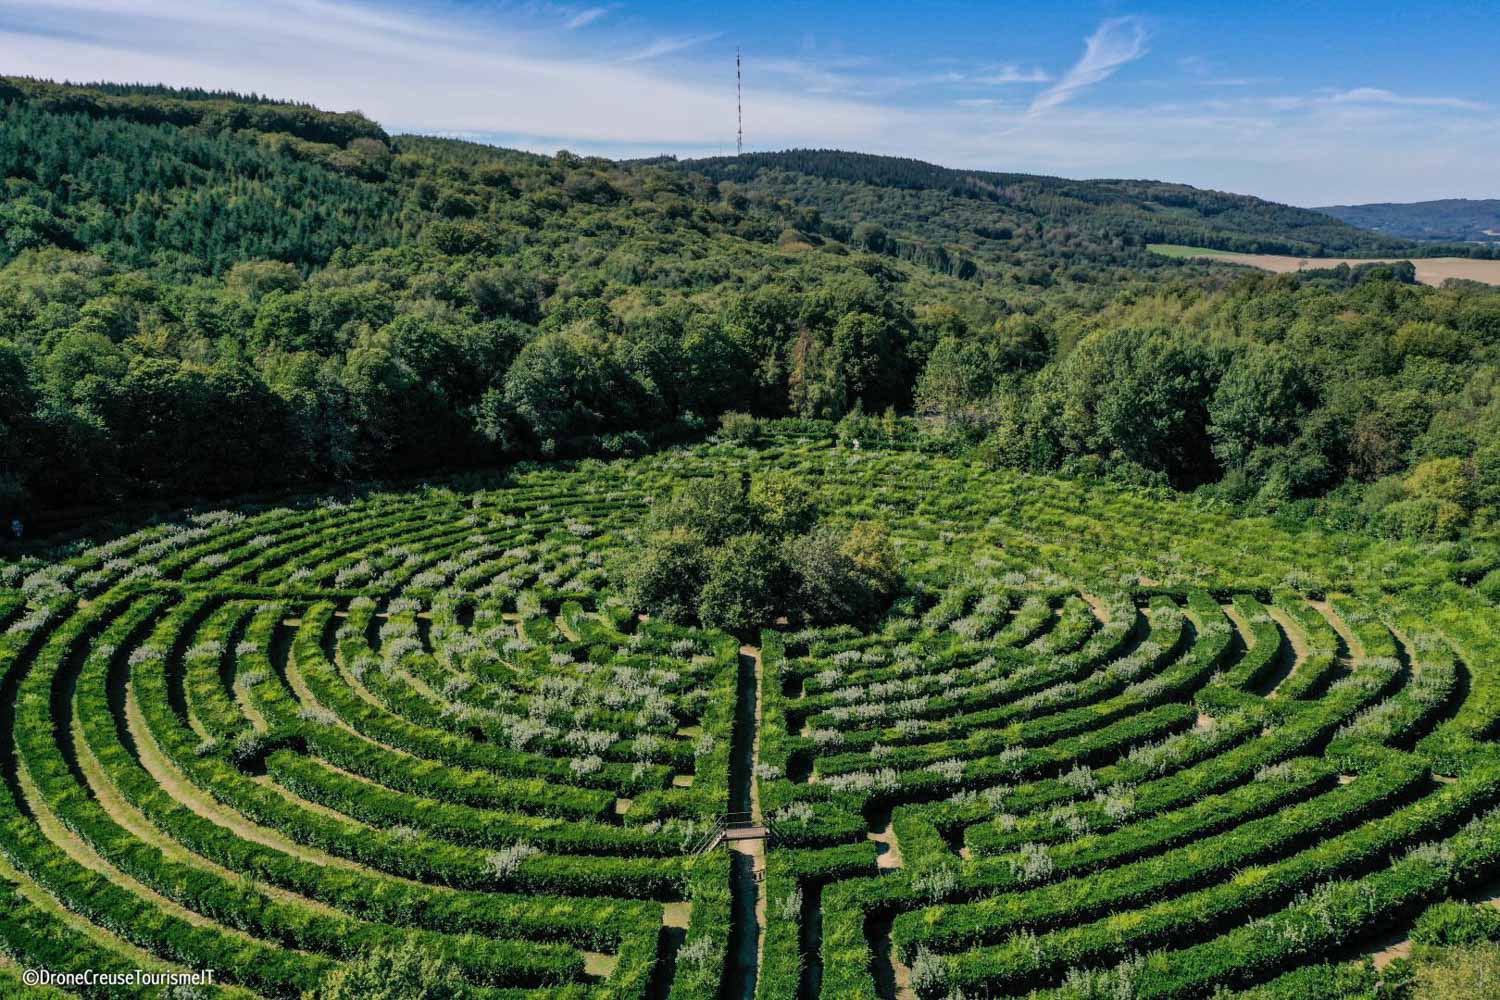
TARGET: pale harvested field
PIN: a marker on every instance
(1430, 270)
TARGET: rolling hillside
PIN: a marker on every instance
(1001, 219)
(1449, 220)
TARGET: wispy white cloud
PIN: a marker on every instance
(1001, 75)
(476, 72)
(1117, 41)
(666, 46)
(1374, 95)
(585, 17)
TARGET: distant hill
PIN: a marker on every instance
(1448, 220)
(1002, 220)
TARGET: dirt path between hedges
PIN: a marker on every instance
(747, 916)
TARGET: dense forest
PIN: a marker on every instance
(204, 294)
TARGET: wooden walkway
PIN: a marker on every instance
(746, 833)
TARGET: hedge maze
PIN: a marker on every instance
(1106, 745)
(1145, 793)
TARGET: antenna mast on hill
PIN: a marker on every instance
(739, 108)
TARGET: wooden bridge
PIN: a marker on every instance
(734, 826)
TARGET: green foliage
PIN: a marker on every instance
(668, 573)
(207, 293)
(842, 578)
(745, 586)
(1451, 220)
(417, 742)
(784, 505)
(405, 972)
(1471, 973)
(987, 214)
(1258, 404)
(736, 554)
(1455, 923)
(741, 428)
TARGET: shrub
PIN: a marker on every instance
(1471, 973)
(401, 973)
(741, 428)
(1454, 923)
(1489, 586)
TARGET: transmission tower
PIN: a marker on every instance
(739, 108)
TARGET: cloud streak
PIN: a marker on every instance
(586, 17)
(1374, 95)
(666, 46)
(501, 76)
(1012, 74)
(1117, 41)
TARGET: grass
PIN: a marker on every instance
(1181, 252)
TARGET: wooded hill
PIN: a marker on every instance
(1449, 220)
(207, 293)
(998, 216)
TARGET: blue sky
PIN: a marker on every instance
(1308, 103)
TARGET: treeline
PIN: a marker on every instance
(1367, 398)
(204, 109)
(1450, 220)
(190, 201)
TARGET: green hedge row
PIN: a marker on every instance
(1157, 878)
(1201, 817)
(37, 939)
(412, 857)
(1026, 962)
(1321, 664)
(93, 894)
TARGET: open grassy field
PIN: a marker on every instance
(1181, 252)
(1430, 270)
(1100, 724)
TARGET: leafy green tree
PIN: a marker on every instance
(869, 545)
(842, 577)
(667, 573)
(869, 236)
(1137, 394)
(1259, 402)
(714, 510)
(565, 383)
(783, 505)
(1381, 434)
(746, 584)
(716, 372)
(958, 381)
(504, 291)
(738, 555)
